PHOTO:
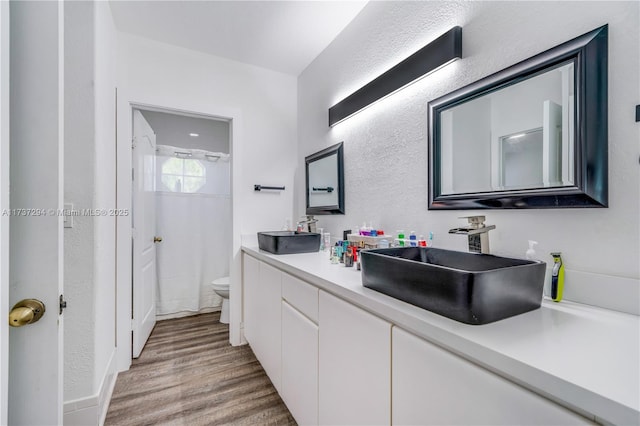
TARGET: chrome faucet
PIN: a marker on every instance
(477, 233)
(307, 224)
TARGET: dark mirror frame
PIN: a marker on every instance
(335, 209)
(588, 53)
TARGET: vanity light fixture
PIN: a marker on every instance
(440, 52)
(194, 135)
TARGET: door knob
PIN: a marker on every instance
(25, 312)
(157, 239)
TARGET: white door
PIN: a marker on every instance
(144, 229)
(4, 205)
(36, 196)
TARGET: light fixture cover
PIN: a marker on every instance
(439, 52)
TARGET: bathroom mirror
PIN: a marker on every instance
(531, 136)
(325, 181)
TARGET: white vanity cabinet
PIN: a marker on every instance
(263, 315)
(354, 365)
(432, 386)
(335, 363)
(300, 349)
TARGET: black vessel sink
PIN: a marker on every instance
(467, 287)
(288, 242)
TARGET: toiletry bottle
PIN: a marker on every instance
(413, 240)
(422, 242)
(531, 253)
(334, 255)
(557, 277)
(401, 238)
(348, 257)
(321, 232)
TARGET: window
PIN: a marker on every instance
(183, 175)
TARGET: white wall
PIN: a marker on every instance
(262, 104)
(105, 198)
(90, 151)
(79, 354)
(386, 144)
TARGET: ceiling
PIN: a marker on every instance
(175, 130)
(284, 36)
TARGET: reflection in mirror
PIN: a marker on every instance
(325, 181)
(520, 137)
(531, 136)
(323, 178)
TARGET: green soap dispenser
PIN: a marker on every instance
(557, 277)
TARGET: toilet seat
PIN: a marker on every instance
(221, 281)
(221, 287)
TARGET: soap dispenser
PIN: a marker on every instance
(531, 253)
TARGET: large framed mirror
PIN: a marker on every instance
(325, 181)
(531, 136)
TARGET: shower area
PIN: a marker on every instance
(193, 211)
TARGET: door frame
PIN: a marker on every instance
(126, 105)
(4, 204)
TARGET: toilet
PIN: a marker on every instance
(221, 287)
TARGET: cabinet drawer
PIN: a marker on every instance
(300, 295)
(431, 386)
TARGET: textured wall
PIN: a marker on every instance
(79, 166)
(105, 40)
(386, 144)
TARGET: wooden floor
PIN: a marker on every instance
(189, 374)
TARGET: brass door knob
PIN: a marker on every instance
(157, 239)
(25, 312)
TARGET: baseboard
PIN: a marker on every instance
(92, 410)
(183, 314)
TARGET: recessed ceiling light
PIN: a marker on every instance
(194, 135)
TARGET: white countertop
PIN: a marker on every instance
(581, 356)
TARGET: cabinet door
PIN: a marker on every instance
(432, 386)
(262, 312)
(299, 365)
(354, 365)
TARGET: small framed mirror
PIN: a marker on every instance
(531, 136)
(324, 172)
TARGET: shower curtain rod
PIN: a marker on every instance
(190, 154)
